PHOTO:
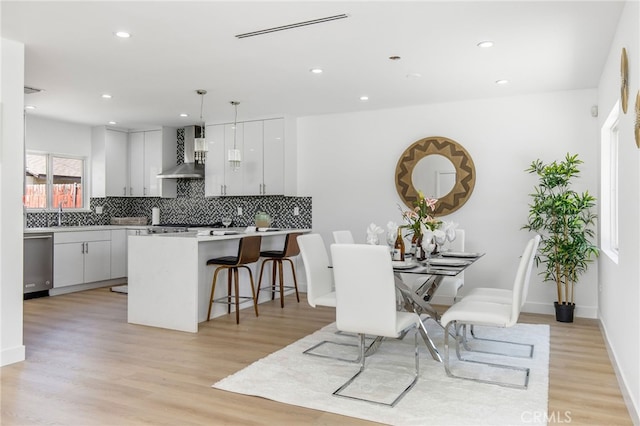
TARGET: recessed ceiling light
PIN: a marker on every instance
(122, 34)
(184, 115)
(316, 70)
(29, 107)
(113, 122)
(502, 81)
(364, 98)
(414, 75)
(395, 58)
(485, 43)
(106, 96)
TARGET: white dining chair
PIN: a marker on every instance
(343, 237)
(366, 303)
(320, 288)
(501, 295)
(479, 312)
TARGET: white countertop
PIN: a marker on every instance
(240, 234)
(191, 234)
(82, 228)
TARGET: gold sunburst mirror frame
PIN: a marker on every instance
(637, 125)
(452, 150)
(624, 80)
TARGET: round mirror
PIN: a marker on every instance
(434, 175)
(420, 168)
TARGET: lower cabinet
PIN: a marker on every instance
(81, 257)
(118, 253)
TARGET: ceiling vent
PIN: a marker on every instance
(29, 90)
(291, 26)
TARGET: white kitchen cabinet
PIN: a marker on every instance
(273, 157)
(81, 257)
(214, 165)
(68, 264)
(151, 152)
(264, 152)
(262, 169)
(252, 161)
(136, 164)
(233, 179)
(108, 162)
(220, 178)
(118, 253)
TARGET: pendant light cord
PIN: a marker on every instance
(235, 124)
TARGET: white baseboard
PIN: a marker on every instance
(12, 355)
(632, 406)
(548, 309)
(90, 286)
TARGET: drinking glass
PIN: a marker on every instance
(440, 238)
(391, 241)
(428, 247)
(226, 221)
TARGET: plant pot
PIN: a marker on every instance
(564, 311)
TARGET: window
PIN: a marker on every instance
(609, 184)
(52, 181)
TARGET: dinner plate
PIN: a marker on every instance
(459, 254)
(449, 262)
(403, 264)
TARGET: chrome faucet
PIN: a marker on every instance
(60, 213)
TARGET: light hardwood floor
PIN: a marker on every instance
(86, 366)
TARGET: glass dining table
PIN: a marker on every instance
(418, 299)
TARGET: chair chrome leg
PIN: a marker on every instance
(338, 391)
(468, 348)
(368, 350)
(459, 339)
(312, 348)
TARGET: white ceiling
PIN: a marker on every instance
(180, 46)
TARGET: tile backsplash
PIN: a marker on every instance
(190, 206)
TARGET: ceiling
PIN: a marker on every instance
(180, 46)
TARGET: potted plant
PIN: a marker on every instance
(564, 220)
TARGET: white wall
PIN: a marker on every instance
(347, 164)
(620, 296)
(11, 172)
(58, 137)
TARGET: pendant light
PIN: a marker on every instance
(234, 155)
(200, 144)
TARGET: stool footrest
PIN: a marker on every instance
(226, 301)
(276, 287)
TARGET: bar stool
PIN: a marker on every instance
(277, 257)
(248, 252)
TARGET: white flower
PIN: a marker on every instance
(450, 230)
(440, 236)
(374, 229)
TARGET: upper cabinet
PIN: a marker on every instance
(273, 157)
(127, 164)
(108, 164)
(136, 164)
(262, 168)
(151, 152)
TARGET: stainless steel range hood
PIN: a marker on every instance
(189, 169)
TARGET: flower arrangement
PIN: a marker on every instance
(428, 233)
(421, 215)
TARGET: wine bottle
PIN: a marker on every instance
(398, 248)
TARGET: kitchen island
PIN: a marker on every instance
(170, 283)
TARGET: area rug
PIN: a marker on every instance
(291, 377)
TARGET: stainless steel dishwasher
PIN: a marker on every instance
(38, 264)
